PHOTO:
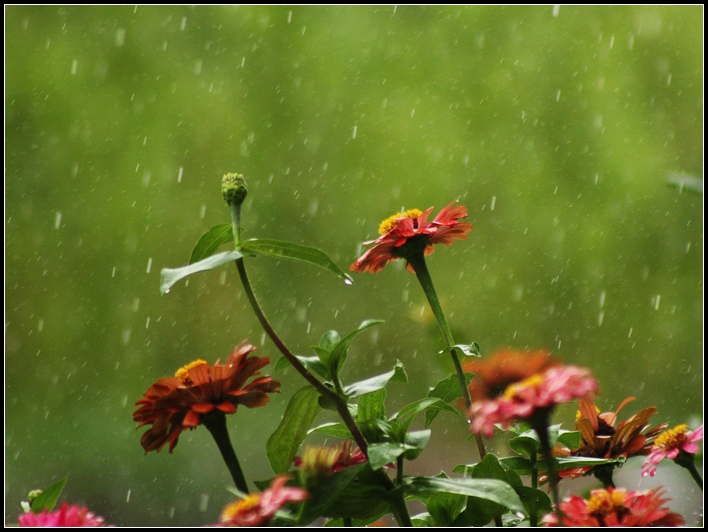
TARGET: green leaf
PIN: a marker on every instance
(417, 440)
(283, 444)
(210, 241)
(446, 390)
(407, 413)
(339, 352)
(381, 454)
(445, 507)
(49, 497)
(376, 383)
(488, 489)
(288, 250)
(469, 350)
(354, 492)
(169, 276)
(526, 445)
(685, 182)
(523, 467)
(569, 438)
(338, 430)
(372, 405)
(329, 340)
(535, 501)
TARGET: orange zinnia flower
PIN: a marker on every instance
(405, 234)
(258, 509)
(175, 404)
(601, 437)
(616, 507)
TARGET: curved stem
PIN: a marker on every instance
(686, 461)
(321, 388)
(426, 282)
(215, 422)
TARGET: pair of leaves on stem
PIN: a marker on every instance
(204, 256)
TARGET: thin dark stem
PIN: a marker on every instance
(686, 461)
(421, 270)
(321, 388)
(215, 422)
(347, 521)
(533, 516)
(541, 428)
(399, 470)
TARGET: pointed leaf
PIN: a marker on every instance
(469, 350)
(49, 497)
(569, 438)
(445, 507)
(283, 444)
(339, 352)
(417, 440)
(535, 501)
(372, 406)
(288, 250)
(447, 390)
(407, 413)
(376, 383)
(338, 430)
(210, 241)
(169, 276)
(488, 489)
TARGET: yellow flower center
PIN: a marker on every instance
(603, 502)
(513, 389)
(244, 505)
(672, 438)
(392, 221)
(183, 372)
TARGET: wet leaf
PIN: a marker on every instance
(49, 497)
(210, 241)
(169, 276)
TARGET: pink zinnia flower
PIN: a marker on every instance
(407, 233)
(555, 385)
(616, 507)
(175, 404)
(670, 444)
(259, 508)
(67, 515)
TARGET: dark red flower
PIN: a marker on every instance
(616, 507)
(67, 515)
(175, 404)
(407, 233)
(258, 509)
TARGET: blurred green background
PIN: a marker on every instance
(559, 130)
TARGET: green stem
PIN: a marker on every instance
(533, 516)
(302, 370)
(347, 521)
(399, 470)
(696, 476)
(686, 460)
(417, 261)
(215, 422)
(540, 425)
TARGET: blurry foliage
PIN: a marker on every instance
(557, 132)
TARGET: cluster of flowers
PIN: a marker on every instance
(508, 387)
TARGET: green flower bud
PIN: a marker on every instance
(32, 496)
(233, 187)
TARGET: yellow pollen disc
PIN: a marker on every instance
(529, 382)
(672, 438)
(235, 508)
(318, 460)
(183, 372)
(603, 502)
(392, 221)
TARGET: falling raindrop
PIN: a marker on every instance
(40, 326)
(493, 203)
(179, 174)
(290, 16)
(126, 336)
(602, 298)
(147, 322)
(120, 37)
(354, 129)
(630, 332)
(74, 66)
(600, 318)
(127, 498)
(57, 221)
(183, 24)
(149, 266)
(556, 9)
(657, 301)
(203, 502)
(113, 273)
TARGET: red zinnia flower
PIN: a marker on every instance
(407, 233)
(68, 515)
(258, 509)
(320, 461)
(522, 399)
(670, 444)
(616, 507)
(175, 404)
